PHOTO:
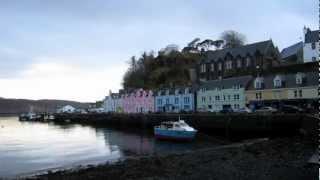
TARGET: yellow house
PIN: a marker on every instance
(273, 89)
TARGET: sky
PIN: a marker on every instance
(79, 49)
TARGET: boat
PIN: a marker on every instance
(175, 130)
(28, 117)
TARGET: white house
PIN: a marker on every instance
(112, 103)
(310, 45)
(66, 109)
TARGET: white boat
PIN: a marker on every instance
(28, 117)
(175, 130)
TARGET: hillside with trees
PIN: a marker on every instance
(171, 67)
(18, 106)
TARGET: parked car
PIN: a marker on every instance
(291, 109)
(244, 110)
(267, 109)
(227, 110)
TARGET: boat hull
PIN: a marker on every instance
(174, 134)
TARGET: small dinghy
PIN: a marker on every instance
(175, 130)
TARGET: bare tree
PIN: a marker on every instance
(233, 39)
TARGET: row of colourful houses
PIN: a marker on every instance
(215, 95)
(252, 75)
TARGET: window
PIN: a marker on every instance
(237, 86)
(236, 106)
(295, 93)
(314, 59)
(259, 95)
(210, 99)
(236, 97)
(300, 93)
(299, 80)
(203, 99)
(248, 61)
(209, 106)
(277, 81)
(160, 102)
(167, 101)
(176, 100)
(224, 97)
(203, 68)
(186, 100)
(220, 66)
(229, 97)
(258, 83)
(211, 67)
(239, 63)
(313, 45)
(217, 98)
(229, 65)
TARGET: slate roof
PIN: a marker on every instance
(172, 91)
(312, 36)
(290, 81)
(226, 83)
(243, 51)
(291, 50)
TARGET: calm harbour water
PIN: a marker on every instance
(30, 147)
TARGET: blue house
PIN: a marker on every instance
(174, 100)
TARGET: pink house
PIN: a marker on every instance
(138, 101)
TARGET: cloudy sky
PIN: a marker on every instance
(78, 49)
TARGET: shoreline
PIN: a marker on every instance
(280, 158)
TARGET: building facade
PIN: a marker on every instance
(240, 61)
(113, 103)
(174, 100)
(299, 89)
(138, 101)
(311, 45)
(217, 95)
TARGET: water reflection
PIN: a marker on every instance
(27, 147)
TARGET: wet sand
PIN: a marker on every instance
(280, 158)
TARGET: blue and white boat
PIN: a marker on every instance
(175, 130)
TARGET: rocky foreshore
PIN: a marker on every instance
(280, 158)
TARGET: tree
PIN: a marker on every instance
(233, 39)
(193, 43)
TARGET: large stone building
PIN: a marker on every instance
(216, 95)
(310, 45)
(174, 100)
(244, 60)
(297, 89)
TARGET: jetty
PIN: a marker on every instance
(229, 125)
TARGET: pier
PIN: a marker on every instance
(229, 125)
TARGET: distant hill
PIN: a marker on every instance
(17, 106)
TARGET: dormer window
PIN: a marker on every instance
(220, 66)
(258, 83)
(248, 62)
(203, 68)
(278, 81)
(300, 78)
(229, 65)
(186, 91)
(239, 63)
(212, 67)
(176, 92)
